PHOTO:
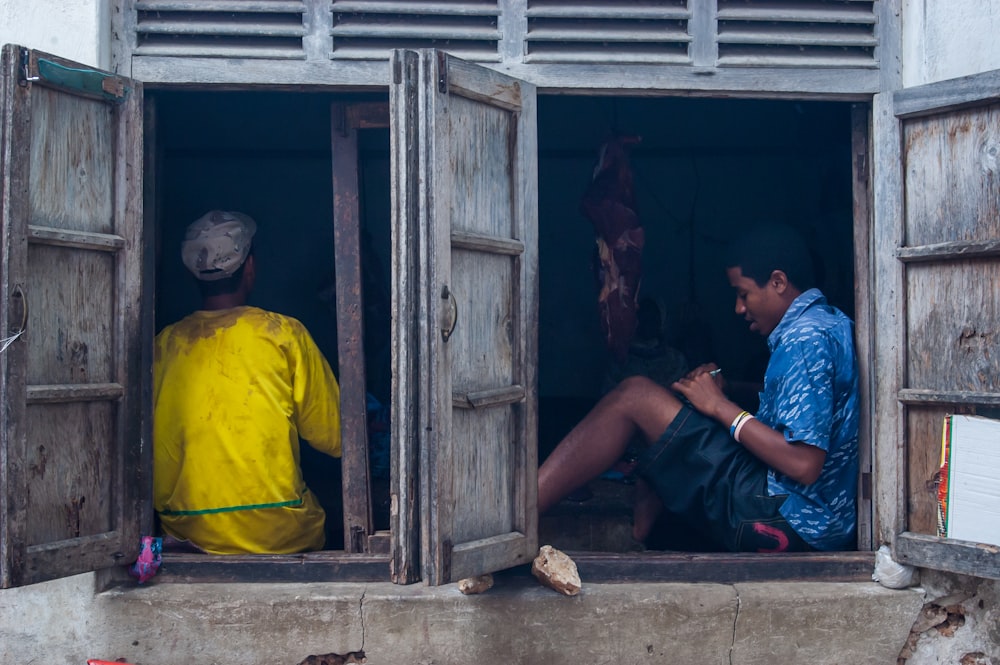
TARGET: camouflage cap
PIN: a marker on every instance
(217, 243)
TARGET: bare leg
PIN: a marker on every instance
(647, 508)
(600, 439)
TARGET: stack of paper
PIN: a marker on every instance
(969, 489)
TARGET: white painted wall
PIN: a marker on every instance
(76, 29)
(944, 39)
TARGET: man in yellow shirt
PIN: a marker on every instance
(234, 387)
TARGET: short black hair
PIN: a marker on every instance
(762, 249)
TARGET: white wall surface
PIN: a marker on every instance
(75, 29)
(944, 39)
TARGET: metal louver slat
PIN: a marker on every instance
(418, 8)
(221, 28)
(371, 29)
(238, 6)
(814, 33)
(629, 31)
(475, 33)
(784, 35)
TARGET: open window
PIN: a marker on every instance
(938, 228)
(445, 210)
(74, 449)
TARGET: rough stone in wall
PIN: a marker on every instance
(959, 623)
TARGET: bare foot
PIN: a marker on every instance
(647, 508)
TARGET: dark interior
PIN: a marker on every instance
(704, 168)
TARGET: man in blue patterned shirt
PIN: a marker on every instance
(784, 479)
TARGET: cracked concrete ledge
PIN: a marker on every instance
(518, 621)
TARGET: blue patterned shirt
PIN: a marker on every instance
(811, 396)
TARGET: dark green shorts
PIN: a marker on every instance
(713, 486)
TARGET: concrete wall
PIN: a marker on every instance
(944, 39)
(75, 29)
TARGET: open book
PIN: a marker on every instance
(969, 486)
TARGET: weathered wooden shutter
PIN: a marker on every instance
(659, 32)
(71, 437)
(464, 200)
(816, 33)
(220, 28)
(938, 314)
(371, 29)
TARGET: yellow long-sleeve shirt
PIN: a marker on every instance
(233, 390)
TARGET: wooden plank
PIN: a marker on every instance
(84, 392)
(488, 398)
(953, 397)
(780, 11)
(797, 57)
(953, 326)
(923, 436)
(71, 490)
(420, 9)
(644, 79)
(78, 178)
(494, 553)
(209, 50)
(703, 26)
(606, 35)
(944, 251)
(261, 28)
(956, 556)
(71, 315)
(480, 84)
(79, 239)
(889, 319)
(780, 36)
(132, 454)
(864, 317)
(936, 98)
(235, 6)
(422, 31)
(967, 193)
(724, 568)
(616, 11)
(311, 567)
(407, 384)
(15, 152)
(358, 523)
(374, 115)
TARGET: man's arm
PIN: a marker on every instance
(801, 462)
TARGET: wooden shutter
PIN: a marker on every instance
(220, 28)
(658, 32)
(938, 237)
(464, 200)
(71, 440)
(371, 29)
(814, 33)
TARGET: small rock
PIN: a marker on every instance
(556, 570)
(478, 584)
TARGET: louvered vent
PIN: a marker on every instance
(223, 28)
(370, 29)
(636, 31)
(820, 33)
